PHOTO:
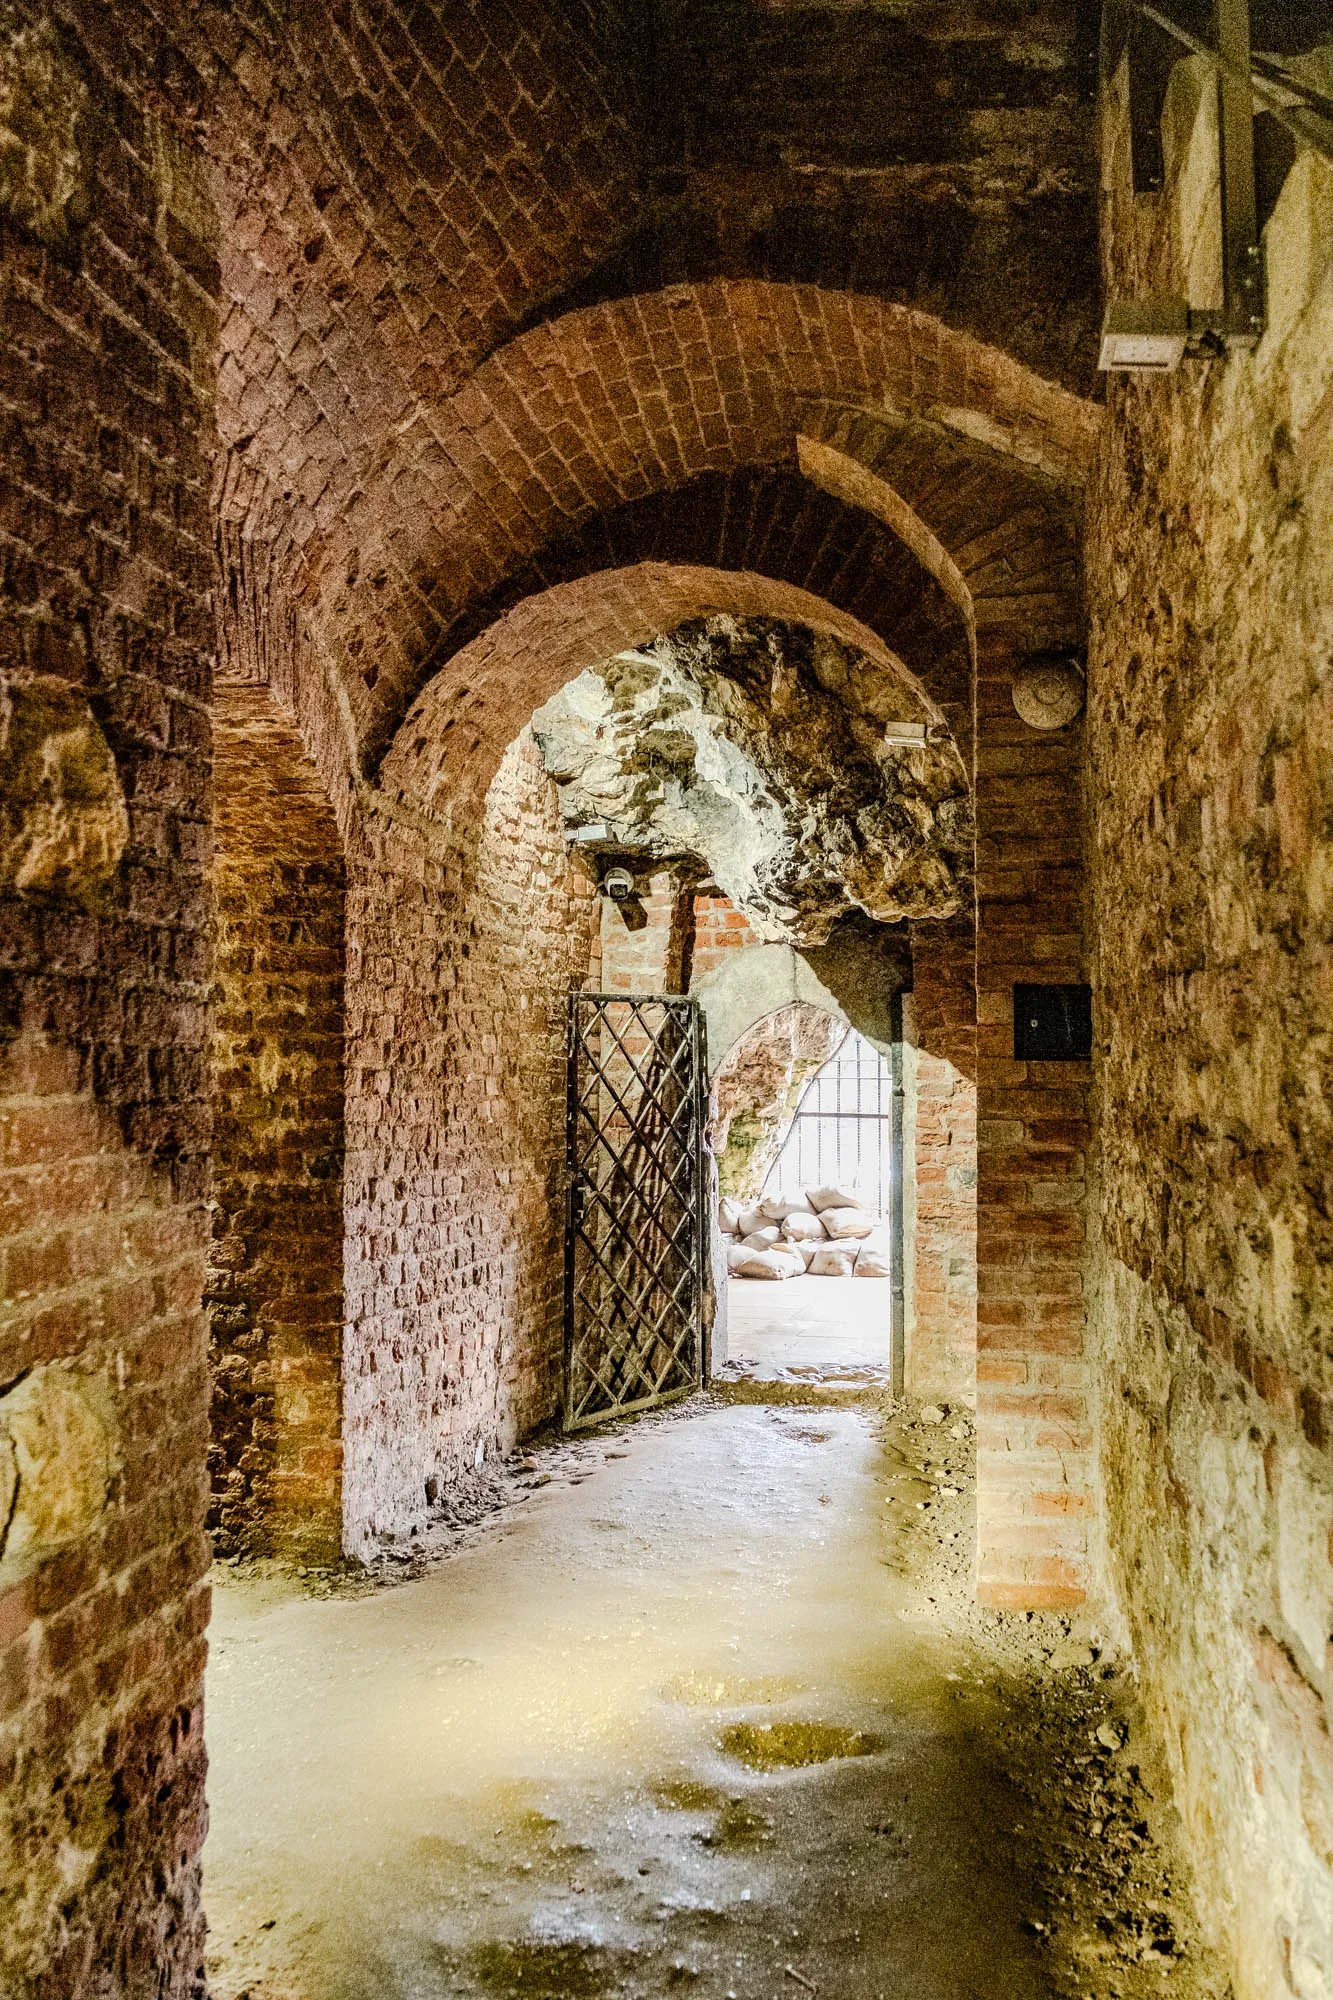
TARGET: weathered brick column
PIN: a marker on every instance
(275, 1277)
(647, 946)
(108, 285)
(1034, 1441)
(942, 1344)
(459, 962)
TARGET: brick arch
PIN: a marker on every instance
(978, 468)
(772, 522)
(999, 535)
(622, 400)
(451, 743)
(748, 988)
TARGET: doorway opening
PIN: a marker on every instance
(807, 1115)
(841, 1134)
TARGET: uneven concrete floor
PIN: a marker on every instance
(709, 1712)
(805, 1320)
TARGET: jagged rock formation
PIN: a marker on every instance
(757, 1090)
(782, 758)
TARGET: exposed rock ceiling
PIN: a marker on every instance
(806, 780)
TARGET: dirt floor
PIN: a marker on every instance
(804, 1320)
(702, 1707)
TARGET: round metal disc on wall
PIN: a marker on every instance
(1048, 692)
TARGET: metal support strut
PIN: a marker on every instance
(1154, 335)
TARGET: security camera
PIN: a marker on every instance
(618, 884)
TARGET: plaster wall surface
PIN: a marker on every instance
(1210, 736)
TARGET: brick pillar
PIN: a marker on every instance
(719, 930)
(653, 956)
(107, 338)
(942, 1339)
(275, 1316)
(1034, 1492)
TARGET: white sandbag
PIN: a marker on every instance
(831, 1263)
(873, 1261)
(840, 1222)
(832, 1197)
(749, 1220)
(765, 1238)
(806, 1251)
(768, 1264)
(802, 1227)
(736, 1255)
(777, 1207)
(728, 1216)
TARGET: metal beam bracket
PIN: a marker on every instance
(1153, 336)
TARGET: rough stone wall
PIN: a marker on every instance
(941, 1347)
(1211, 781)
(275, 1278)
(107, 327)
(458, 967)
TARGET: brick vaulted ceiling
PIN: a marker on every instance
(421, 422)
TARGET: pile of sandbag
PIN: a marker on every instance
(827, 1231)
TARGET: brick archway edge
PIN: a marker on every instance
(448, 749)
(616, 401)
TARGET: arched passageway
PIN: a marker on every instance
(368, 374)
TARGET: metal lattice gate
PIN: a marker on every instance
(636, 1244)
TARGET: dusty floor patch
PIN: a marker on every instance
(790, 1746)
(590, 1751)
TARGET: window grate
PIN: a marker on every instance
(842, 1128)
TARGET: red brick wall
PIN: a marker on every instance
(941, 1357)
(459, 963)
(654, 955)
(719, 929)
(101, 1621)
(1035, 1473)
(106, 336)
(275, 1278)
